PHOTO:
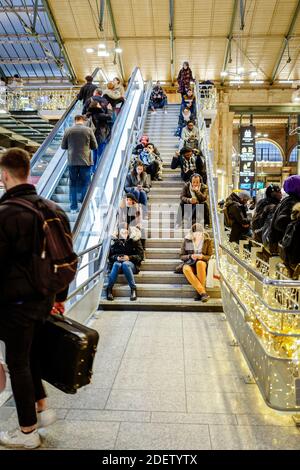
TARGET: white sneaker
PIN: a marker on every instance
(45, 418)
(166, 112)
(17, 438)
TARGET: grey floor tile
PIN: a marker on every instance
(193, 418)
(167, 365)
(88, 398)
(149, 380)
(83, 435)
(105, 377)
(254, 437)
(198, 365)
(214, 383)
(146, 400)
(6, 412)
(163, 436)
(108, 415)
(272, 419)
(232, 403)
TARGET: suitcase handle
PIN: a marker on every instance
(59, 316)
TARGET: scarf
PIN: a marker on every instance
(189, 164)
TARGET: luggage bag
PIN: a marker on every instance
(68, 349)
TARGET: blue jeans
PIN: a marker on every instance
(127, 268)
(158, 104)
(80, 178)
(140, 195)
(97, 154)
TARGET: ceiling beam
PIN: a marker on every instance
(178, 37)
(101, 15)
(230, 36)
(26, 61)
(285, 43)
(10, 9)
(116, 38)
(60, 41)
(265, 110)
(171, 32)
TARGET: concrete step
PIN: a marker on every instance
(161, 304)
(157, 290)
(163, 243)
(159, 253)
(160, 264)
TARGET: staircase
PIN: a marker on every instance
(158, 287)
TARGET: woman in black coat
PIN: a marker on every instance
(126, 255)
(184, 79)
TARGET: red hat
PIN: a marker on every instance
(144, 139)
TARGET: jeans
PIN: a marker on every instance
(22, 358)
(80, 178)
(97, 154)
(196, 275)
(158, 104)
(141, 195)
(127, 268)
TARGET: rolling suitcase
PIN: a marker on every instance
(67, 353)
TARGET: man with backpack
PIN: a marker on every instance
(32, 233)
(264, 207)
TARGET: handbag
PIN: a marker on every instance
(213, 275)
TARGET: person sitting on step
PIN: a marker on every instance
(144, 141)
(158, 99)
(152, 161)
(185, 116)
(189, 101)
(126, 255)
(189, 136)
(196, 250)
(137, 183)
(193, 199)
(188, 162)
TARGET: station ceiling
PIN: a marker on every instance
(260, 39)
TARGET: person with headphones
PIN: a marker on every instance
(194, 196)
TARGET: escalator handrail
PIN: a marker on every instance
(57, 126)
(108, 153)
(209, 168)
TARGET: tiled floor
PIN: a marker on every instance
(165, 381)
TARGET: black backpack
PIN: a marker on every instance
(270, 244)
(289, 247)
(53, 264)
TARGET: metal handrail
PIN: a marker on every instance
(52, 134)
(109, 151)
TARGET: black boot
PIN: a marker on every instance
(133, 295)
(109, 294)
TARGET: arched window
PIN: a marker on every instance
(293, 155)
(267, 151)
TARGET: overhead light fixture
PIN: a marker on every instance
(240, 70)
(118, 50)
(253, 74)
(102, 46)
(90, 50)
(256, 82)
(288, 82)
(103, 54)
(266, 135)
(224, 73)
(236, 82)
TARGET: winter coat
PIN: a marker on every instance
(187, 249)
(17, 229)
(264, 207)
(190, 137)
(86, 91)
(195, 164)
(157, 94)
(184, 79)
(282, 217)
(186, 194)
(98, 99)
(131, 247)
(132, 182)
(101, 121)
(237, 212)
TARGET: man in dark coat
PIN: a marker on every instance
(236, 210)
(87, 90)
(22, 308)
(263, 208)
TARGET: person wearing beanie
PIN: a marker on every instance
(264, 208)
(282, 214)
(144, 141)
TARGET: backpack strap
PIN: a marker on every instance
(26, 204)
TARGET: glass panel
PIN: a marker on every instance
(53, 150)
(100, 204)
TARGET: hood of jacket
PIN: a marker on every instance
(189, 235)
(232, 199)
(134, 235)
